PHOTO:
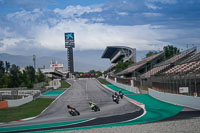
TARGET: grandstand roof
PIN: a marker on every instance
(138, 65)
(112, 52)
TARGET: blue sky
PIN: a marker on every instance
(39, 25)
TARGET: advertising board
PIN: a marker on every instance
(183, 89)
(69, 40)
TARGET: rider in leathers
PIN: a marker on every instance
(92, 104)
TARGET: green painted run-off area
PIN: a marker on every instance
(53, 93)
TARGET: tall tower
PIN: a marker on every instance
(69, 44)
(34, 61)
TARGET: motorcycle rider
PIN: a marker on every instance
(121, 94)
(115, 95)
(92, 104)
(71, 109)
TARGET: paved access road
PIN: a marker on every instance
(78, 96)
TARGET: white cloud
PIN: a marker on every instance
(152, 6)
(74, 11)
(98, 36)
(150, 14)
(164, 1)
(25, 15)
(9, 42)
(122, 13)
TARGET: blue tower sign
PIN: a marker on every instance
(69, 44)
(69, 40)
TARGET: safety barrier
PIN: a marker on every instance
(15, 103)
(126, 87)
(18, 102)
(3, 104)
(188, 101)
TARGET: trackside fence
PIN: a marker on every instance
(177, 84)
(184, 85)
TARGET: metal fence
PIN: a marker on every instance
(173, 84)
(124, 81)
(111, 77)
(169, 84)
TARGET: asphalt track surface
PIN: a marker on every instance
(78, 96)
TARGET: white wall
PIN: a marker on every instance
(55, 83)
(187, 101)
(126, 87)
(18, 102)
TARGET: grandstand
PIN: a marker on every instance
(195, 57)
(186, 68)
(143, 66)
(118, 53)
(165, 65)
(189, 66)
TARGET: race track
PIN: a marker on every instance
(78, 96)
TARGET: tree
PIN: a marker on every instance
(7, 66)
(30, 71)
(2, 69)
(40, 76)
(15, 76)
(92, 71)
(122, 65)
(6, 81)
(170, 51)
(150, 53)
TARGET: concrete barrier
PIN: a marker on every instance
(18, 102)
(126, 87)
(182, 100)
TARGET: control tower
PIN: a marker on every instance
(69, 44)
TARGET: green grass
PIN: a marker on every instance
(31, 109)
(64, 84)
(103, 81)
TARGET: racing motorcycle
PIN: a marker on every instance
(115, 99)
(95, 108)
(73, 112)
(121, 95)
